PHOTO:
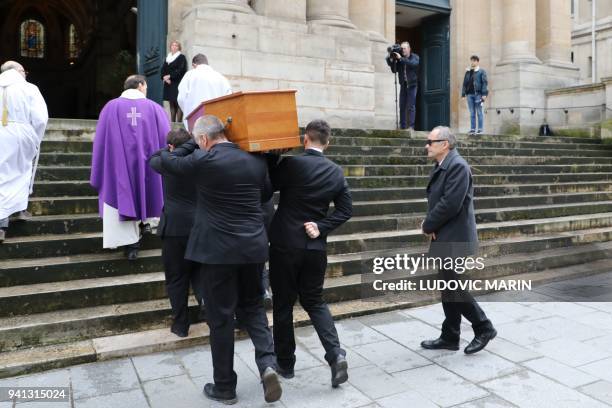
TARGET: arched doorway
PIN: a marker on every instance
(78, 52)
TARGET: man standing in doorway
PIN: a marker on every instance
(23, 118)
(451, 224)
(407, 71)
(475, 90)
(130, 129)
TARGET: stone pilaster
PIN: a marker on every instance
(369, 16)
(329, 12)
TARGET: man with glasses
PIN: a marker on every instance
(451, 225)
(23, 119)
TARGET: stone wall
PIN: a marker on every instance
(331, 51)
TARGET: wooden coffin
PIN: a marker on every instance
(255, 120)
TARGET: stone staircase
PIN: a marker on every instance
(543, 206)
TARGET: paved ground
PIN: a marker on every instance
(547, 354)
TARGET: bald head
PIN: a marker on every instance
(13, 65)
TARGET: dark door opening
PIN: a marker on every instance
(78, 52)
(427, 31)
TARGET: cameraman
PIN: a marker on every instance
(406, 65)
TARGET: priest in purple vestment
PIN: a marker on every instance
(130, 129)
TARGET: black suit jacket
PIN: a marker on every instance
(231, 185)
(179, 197)
(308, 183)
(450, 208)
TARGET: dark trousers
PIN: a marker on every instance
(457, 303)
(407, 105)
(300, 273)
(179, 273)
(235, 290)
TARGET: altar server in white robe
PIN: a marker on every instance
(200, 84)
(23, 119)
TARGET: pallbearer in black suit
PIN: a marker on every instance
(230, 241)
(174, 227)
(308, 183)
(451, 224)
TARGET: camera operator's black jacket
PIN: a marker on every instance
(407, 68)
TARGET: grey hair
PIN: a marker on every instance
(208, 126)
(11, 65)
(444, 133)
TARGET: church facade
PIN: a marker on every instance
(333, 52)
(537, 54)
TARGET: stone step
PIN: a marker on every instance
(19, 272)
(82, 188)
(66, 222)
(416, 170)
(84, 159)
(382, 133)
(465, 141)
(78, 243)
(479, 179)
(91, 323)
(58, 173)
(60, 188)
(333, 150)
(89, 204)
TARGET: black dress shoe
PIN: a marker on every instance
(287, 373)
(145, 229)
(271, 385)
(180, 331)
(131, 254)
(480, 342)
(439, 344)
(225, 397)
(339, 371)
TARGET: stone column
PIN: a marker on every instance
(519, 32)
(369, 16)
(329, 12)
(554, 32)
(240, 6)
(284, 9)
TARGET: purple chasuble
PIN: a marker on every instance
(129, 131)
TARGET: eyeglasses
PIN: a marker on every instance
(430, 142)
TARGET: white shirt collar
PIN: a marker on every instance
(132, 94)
(316, 149)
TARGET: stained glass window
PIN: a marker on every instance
(73, 43)
(32, 36)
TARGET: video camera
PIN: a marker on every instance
(395, 48)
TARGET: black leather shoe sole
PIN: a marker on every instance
(272, 387)
(341, 375)
(209, 393)
(482, 345)
(446, 346)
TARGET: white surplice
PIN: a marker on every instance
(198, 85)
(116, 233)
(20, 135)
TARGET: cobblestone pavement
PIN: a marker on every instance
(547, 354)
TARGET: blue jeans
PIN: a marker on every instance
(474, 102)
(407, 105)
